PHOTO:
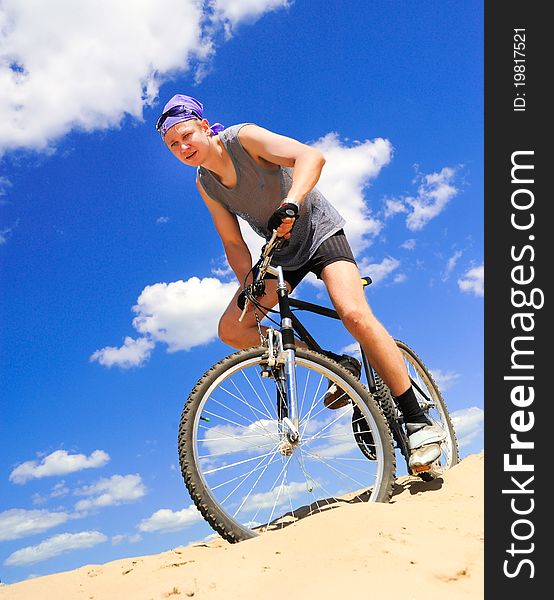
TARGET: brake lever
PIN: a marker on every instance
(274, 243)
(244, 310)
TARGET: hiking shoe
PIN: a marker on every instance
(424, 441)
(335, 397)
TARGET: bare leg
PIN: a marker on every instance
(344, 285)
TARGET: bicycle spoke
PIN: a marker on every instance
(323, 409)
(301, 403)
(276, 501)
(256, 475)
(340, 416)
(252, 408)
(255, 392)
(239, 462)
(227, 407)
(338, 471)
(245, 499)
(316, 400)
(227, 452)
(216, 416)
(247, 473)
(328, 494)
(263, 470)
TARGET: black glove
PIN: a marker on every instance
(288, 209)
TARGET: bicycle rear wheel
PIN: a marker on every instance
(241, 476)
(433, 405)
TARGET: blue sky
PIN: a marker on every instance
(105, 246)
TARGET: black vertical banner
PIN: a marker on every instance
(519, 337)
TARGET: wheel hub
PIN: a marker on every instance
(286, 447)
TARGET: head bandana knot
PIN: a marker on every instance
(182, 108)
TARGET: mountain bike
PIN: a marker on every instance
(258, 449)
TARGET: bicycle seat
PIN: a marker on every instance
(366, 281)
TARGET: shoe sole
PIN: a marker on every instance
(333, 402)
(330, 399)
(424, 455)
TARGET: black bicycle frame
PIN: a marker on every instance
(285, 304)
(291, 323)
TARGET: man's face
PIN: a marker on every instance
(188, 141)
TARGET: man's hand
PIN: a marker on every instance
(285, 229)
(283, 219)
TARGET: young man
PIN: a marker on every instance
(251, 172)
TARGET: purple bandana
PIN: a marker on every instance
(182, 108)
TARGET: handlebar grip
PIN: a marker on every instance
(284, 211)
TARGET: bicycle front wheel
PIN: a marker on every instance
(242, 472)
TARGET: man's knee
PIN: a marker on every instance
(226, 331)
(356, 317)
(231, 333)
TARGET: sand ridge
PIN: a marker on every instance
(426, 544)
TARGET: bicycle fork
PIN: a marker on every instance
(286, 351)
(282, 364)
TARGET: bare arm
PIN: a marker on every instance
(307, 162)
(227, 227)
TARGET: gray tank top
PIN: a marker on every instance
(258, 193)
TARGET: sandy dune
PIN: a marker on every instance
(426, 544)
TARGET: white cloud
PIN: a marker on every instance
(468, 424)
(408, 244)
(228, 438)
(166, 520)
(60, 489)
(432, 197)
(473, 281)
(5, 183)
(222, 268)
(133, 353)
(6, 233)
(118, 489)
(54, 546)
(433, 194)
(445, 380)
(234, 11)
(91, 62)
(346, 174)
(59, 462)
(352, 349)
(450, 264)
(130, 539)
(18, 522)
(279, 496)
(394, 207)
(180, 314)
(161, 220)
(337, 441)
(378, 271)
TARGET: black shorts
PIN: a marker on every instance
(333, 249)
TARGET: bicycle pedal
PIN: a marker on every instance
(421, 468)
(266, 372)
